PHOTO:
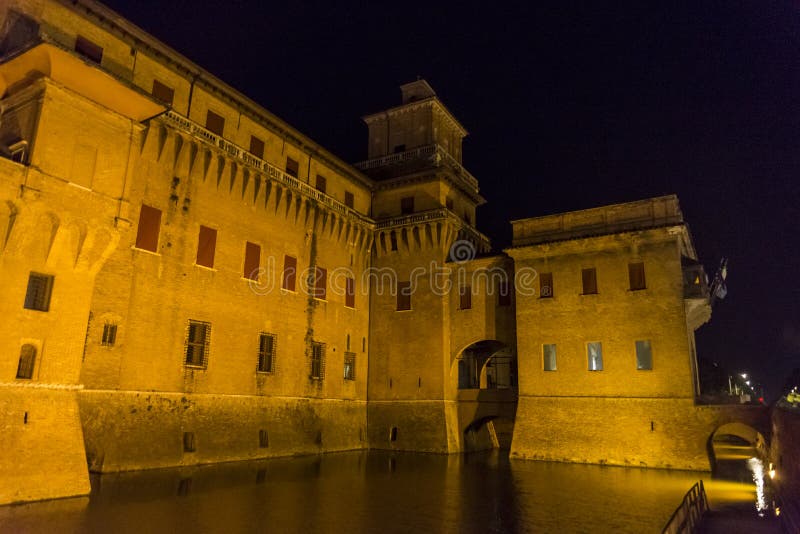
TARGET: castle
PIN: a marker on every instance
(188, 279)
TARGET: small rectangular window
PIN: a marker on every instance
(589, 278)
(109, 335)
(549, 357)
(40, 287)
(319, 284)
(322, 183)
(503, 293)
(256, 147)
(545, 285)
(149, 227)
(350, 293)
(263, 439)
(206, 246)
(406, 205)
(162, 92)
(188, 442)
(266, 352)
(465, 300)
(349, 366)
(198, 342)
(403, 296)
(292, 167)
(317, 360)
(348, 199)
(27, 362)
(215, 123)
(595, 354)
(636, 276)
(88, 49)
(252, 261)
(644, 355)
(289, 273)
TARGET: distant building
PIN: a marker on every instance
(188, 279)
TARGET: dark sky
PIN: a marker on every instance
(569, 105)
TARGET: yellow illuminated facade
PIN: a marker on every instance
(188, 279)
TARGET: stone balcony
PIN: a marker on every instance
(465, 231)
(417, 159)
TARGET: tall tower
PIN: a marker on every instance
(424, 203)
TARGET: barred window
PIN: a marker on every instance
(40, 286)
(317, 360)
(27, 361)
(349, 366)
(198, 341)
(109, 335)
(266, 352)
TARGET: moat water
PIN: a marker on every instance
(376, 491)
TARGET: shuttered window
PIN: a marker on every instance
(349, 366)
(162, 92)
(350, 293)
(149, 227)
(256, 147)
(403, 296)
(252, 261)
(27, 361)
(206, 246)
(292, 167)
(215, 123)
(589, 277)
(348, 199)
(636, 276)
(545, 285)
(266, 352)
(40, 287)
(322, 183)
(289, 273)
(317, 360)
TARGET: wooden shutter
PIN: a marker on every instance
(206, 246)
(589, 281)
(149, 226)
(215, 123)
(289, 273)
(252, 261)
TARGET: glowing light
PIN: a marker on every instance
(744, 375)
(757, 468)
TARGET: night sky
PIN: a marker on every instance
(569, 105)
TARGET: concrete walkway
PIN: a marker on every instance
(733, 509)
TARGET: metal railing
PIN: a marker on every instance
(687, 517)
(259, 164)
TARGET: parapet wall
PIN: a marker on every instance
(130, 430)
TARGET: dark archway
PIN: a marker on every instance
(487, 364)
(731, 447)
(493, 432)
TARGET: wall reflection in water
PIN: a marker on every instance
(368, 492)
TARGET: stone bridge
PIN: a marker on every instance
(486, 417)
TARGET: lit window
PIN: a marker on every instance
(545, 285)
(266, 352)
(589, 278)
(27, 361)
(349, 366)
(317, 360)
(636, 276)
(109, 335)
(149, 226)
(40, 287)
(403, 296)
(549, 357)
(595, 353)
(206, 246)
(644, 355)
(252, 261)
(198, 341)
(289, 273)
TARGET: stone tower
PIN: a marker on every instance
(424, 207)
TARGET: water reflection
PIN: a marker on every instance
(368, 492)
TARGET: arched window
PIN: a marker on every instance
(27, 360)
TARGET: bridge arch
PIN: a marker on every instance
(735, 441)
(486, 364)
